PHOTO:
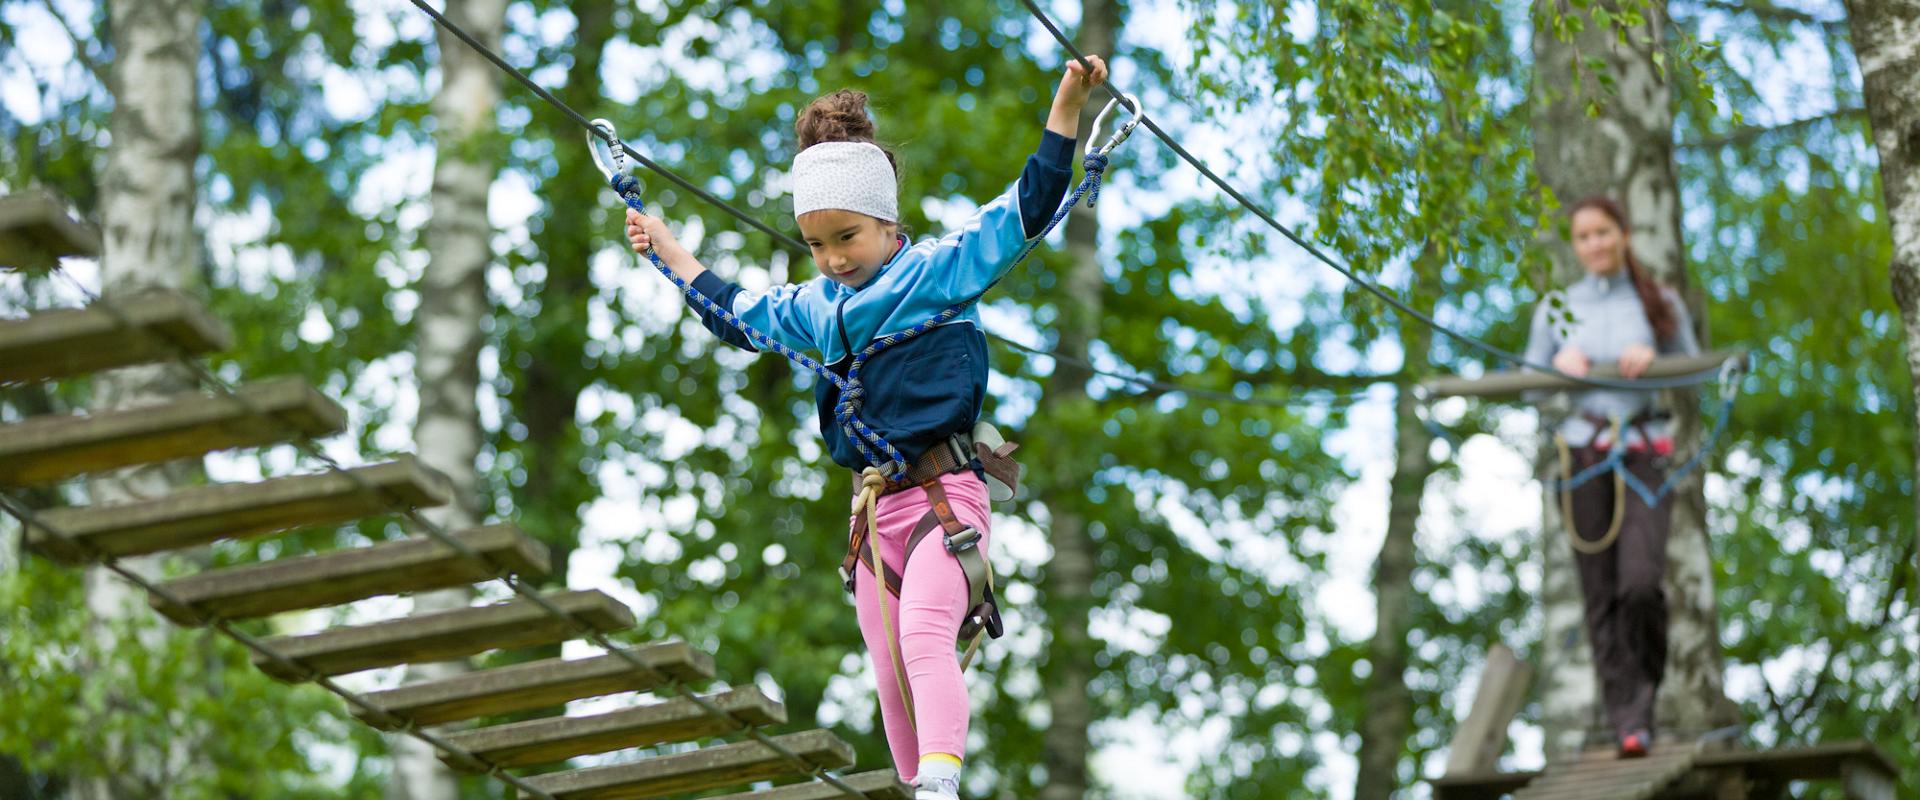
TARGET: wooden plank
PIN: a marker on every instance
(1512, 382)
(1814, 762)
(36, 232)
(205, 514)
(544, 741)
(443, 635)
(1858, 765)
(706, 768)
(52, 448)
(76, 341)
(1481, 785)
(1478, 742)
(1615, 778)
(329, 579)
(1862, 779)
(537, 684)
(879, 784)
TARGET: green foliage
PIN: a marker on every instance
(1815, 532)
(1401, 126)
(82, 697)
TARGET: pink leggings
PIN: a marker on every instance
(926, 616)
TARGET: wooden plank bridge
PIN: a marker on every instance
(162, 326)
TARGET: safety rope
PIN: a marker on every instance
(1673, 382)
(872, 446)
(1593, 546)
(1614, 462)
(872, 485)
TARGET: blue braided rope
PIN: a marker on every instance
(628, 188)
(1653, 498)
(1614, 462)
(848, 410)
(870, 443)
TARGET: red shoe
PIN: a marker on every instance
(1635, 744)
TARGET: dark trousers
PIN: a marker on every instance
(1626, 606)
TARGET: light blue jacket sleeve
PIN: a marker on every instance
(1541, 342)
(789, 313)
(962, 264)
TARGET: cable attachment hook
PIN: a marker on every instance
(1126, 128)
(613, 162)
(1731, 371)
(603, 137)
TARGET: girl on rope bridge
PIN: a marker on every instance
(1620, 314)
(925, 395)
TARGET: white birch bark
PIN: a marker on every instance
(1627, 152)
(1068, 582)
(147, 206)
(1886, 39)
(453, 306)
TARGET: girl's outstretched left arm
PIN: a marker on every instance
(780, 312)
(1075, 87)
(963, 263)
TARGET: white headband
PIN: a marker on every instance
(849, 176)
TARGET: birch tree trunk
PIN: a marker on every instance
(147, 202)
(1068, 582)
(1383, 731)
(1626, 151)
(453, 305)
(1886, 39)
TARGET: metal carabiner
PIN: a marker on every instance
(1731, 371)
(1125, 129)
(616, 163)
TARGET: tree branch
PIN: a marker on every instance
(1748, 134)
(1762, 9)
(79, 47)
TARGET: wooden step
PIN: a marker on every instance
(544, 741)
(1604, 776)
(36, 232)
(536, 684)
(329, 579)
(76, 341)
(443, 635)
(51, 448)
(204, 514)
(879, 784)
(706, 768)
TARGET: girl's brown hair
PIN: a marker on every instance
(1653, 300)
(840, 117)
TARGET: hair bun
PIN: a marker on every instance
(837, 117)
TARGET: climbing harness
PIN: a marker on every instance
(954, 455)
(872, 446)
(1614, 464)
(887, 470)
(1624, 479)
(962, 541)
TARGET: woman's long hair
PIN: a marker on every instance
(1653, 298)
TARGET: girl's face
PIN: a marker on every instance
(1598, 241)
(848, 246)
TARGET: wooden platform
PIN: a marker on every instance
(1686, 772)
(168, 326)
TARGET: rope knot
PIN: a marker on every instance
(1096, 166)
(872, 484)
(629, 189)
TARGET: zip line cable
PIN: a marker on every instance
(1673, 382)
(778, 235)
(205, 377)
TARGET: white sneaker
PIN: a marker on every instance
(929, 788)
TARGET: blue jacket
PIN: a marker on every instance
(934, 385)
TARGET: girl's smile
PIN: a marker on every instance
(849, 247)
